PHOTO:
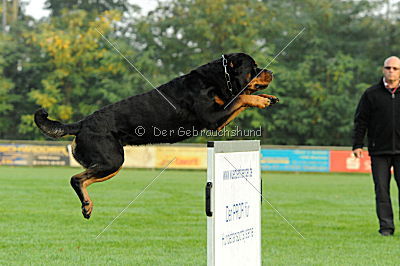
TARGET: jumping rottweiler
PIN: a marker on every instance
(195, 101)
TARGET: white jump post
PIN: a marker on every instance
(233, 203)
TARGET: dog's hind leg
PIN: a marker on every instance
(103, 161)
(102, 156)
(81, 181)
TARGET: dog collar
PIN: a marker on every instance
(227, 76)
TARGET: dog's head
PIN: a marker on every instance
(244, 75)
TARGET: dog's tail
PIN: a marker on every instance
(53, 128)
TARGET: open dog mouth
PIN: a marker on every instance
(261, 82)
(261, 86)
(257, 87)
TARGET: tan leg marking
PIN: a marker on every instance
(89, 208)
(243, 102)
(233, 116)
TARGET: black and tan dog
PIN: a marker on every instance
(195, 101)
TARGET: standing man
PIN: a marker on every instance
(378, 114)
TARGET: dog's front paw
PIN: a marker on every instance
(261, 102)
(273, 98)
(87, 208)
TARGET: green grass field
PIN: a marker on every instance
(41, 223)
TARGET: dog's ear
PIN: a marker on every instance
(234, 65)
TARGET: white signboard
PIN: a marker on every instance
(234, 208)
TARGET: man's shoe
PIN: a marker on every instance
(386, 233)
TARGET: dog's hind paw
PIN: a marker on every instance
(87, 208)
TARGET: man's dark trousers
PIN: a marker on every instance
(381, 165)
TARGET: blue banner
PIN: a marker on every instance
(295, 160)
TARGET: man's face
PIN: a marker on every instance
(391, 69)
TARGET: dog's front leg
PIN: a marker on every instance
(242, 103)
(213, 117)
(231, 117)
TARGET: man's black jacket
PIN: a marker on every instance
(378, 113)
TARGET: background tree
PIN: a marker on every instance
(84, 70)
(57, 7)
(216, 27)
(16, 75)
(320, 77)
(62, 62)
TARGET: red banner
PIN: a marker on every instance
(344, 161)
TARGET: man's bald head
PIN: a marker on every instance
(392, 59)
(391, 69)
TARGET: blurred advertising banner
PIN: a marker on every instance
(72, 161)
(295, 160)
(344, 161)
(135, 157)
(30, 154)
(140, 156)
(186, 157)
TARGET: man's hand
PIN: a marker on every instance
(358, 153)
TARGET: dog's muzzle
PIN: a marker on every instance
(261, 81)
